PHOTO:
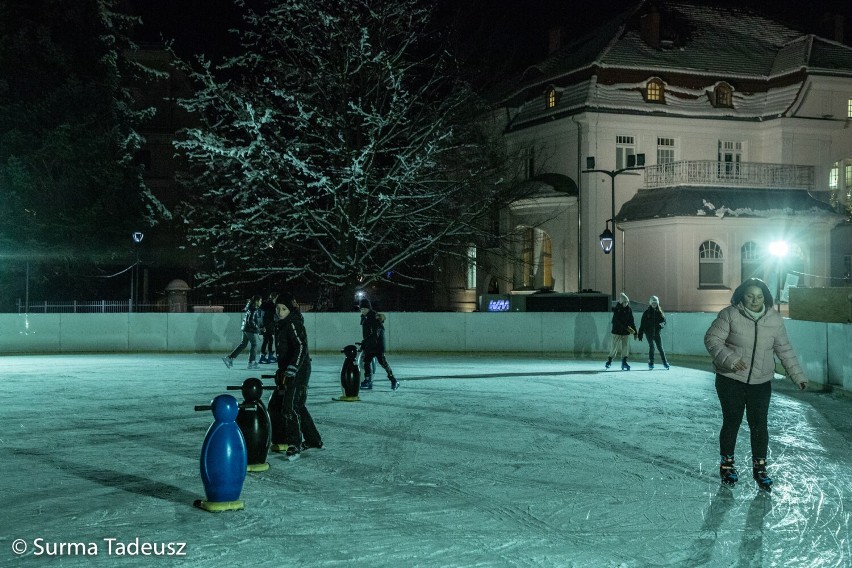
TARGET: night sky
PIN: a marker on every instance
(512, 28)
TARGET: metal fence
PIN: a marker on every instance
(118, 306)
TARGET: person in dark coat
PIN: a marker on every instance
(250, 327)
(623, 327)
(294, 371)
(373, 344)
(653, 322)
(267, 348)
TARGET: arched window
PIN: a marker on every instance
(723, 96)
(655, 91)
(550, 97)
(710, 265)
(751, 261)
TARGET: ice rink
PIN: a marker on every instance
(477, 461)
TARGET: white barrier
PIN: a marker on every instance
(823, 348)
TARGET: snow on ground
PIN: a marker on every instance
(477, 461)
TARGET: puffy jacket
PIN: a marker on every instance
(251, 319)
(622, 320)
(733, 335)
(652, 322)
(291, 344)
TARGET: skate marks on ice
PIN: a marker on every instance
(804, 521)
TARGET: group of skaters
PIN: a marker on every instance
(743, 341)
(258, 324)
(279, 320)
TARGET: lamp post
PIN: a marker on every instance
(634, 162)
(137, 237)
(779, 249)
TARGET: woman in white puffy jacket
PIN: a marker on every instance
(743, 341)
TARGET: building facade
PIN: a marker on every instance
(707, 136)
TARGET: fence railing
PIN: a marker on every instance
(740, 174)
(118, 306)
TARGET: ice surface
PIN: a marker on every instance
(477, 461)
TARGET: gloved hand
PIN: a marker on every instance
(803, 385)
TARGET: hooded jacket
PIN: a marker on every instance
(251, 319)
(734, 335)
(291, 344)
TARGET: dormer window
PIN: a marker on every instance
(550, 98)
(655, 91)
(723, 96)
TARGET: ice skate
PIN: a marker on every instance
(624, 365)
(727, 471)
(367, 384)
(650, 366)
(228, 362)
(608, 362)
(764, 482)
(666, 365)
(394, 384)
(263, 360)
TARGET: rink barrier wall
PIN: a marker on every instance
(823, 348)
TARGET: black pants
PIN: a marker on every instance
(368, 364)
(655, 340)
(268, 345)
(737, 398)
(296, 422)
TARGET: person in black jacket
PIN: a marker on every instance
(653, 321)
(294, 373)
(250, 326)
(268, 329)
(623, 327)
(373, 345)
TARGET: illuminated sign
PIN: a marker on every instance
(498, 305)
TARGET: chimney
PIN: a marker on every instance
(839, 26)
(554, 38)
(833, 26)
(650, 27)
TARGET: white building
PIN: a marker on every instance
(744, 128)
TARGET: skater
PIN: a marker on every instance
(373, 344)
(623, 327)
(742, 341)
(267, 348)
(250, 326)
(652, 323)
(294, 362)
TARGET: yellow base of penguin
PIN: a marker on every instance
(257, 467)
(219, 506)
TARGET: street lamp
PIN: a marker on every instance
(607, 239)
(137, 237)
(779, 249)
(634, 162)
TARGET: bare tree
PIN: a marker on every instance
(339, 146)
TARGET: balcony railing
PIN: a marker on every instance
(743, 174)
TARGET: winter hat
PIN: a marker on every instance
(624, 299)
(287, 299)
(653, 299)
(365, 303)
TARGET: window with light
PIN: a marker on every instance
(654, 91)
(471, 267)
(550, 97)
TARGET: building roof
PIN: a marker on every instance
(766, 63)
(691, 201)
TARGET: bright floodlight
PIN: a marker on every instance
(778, 248)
